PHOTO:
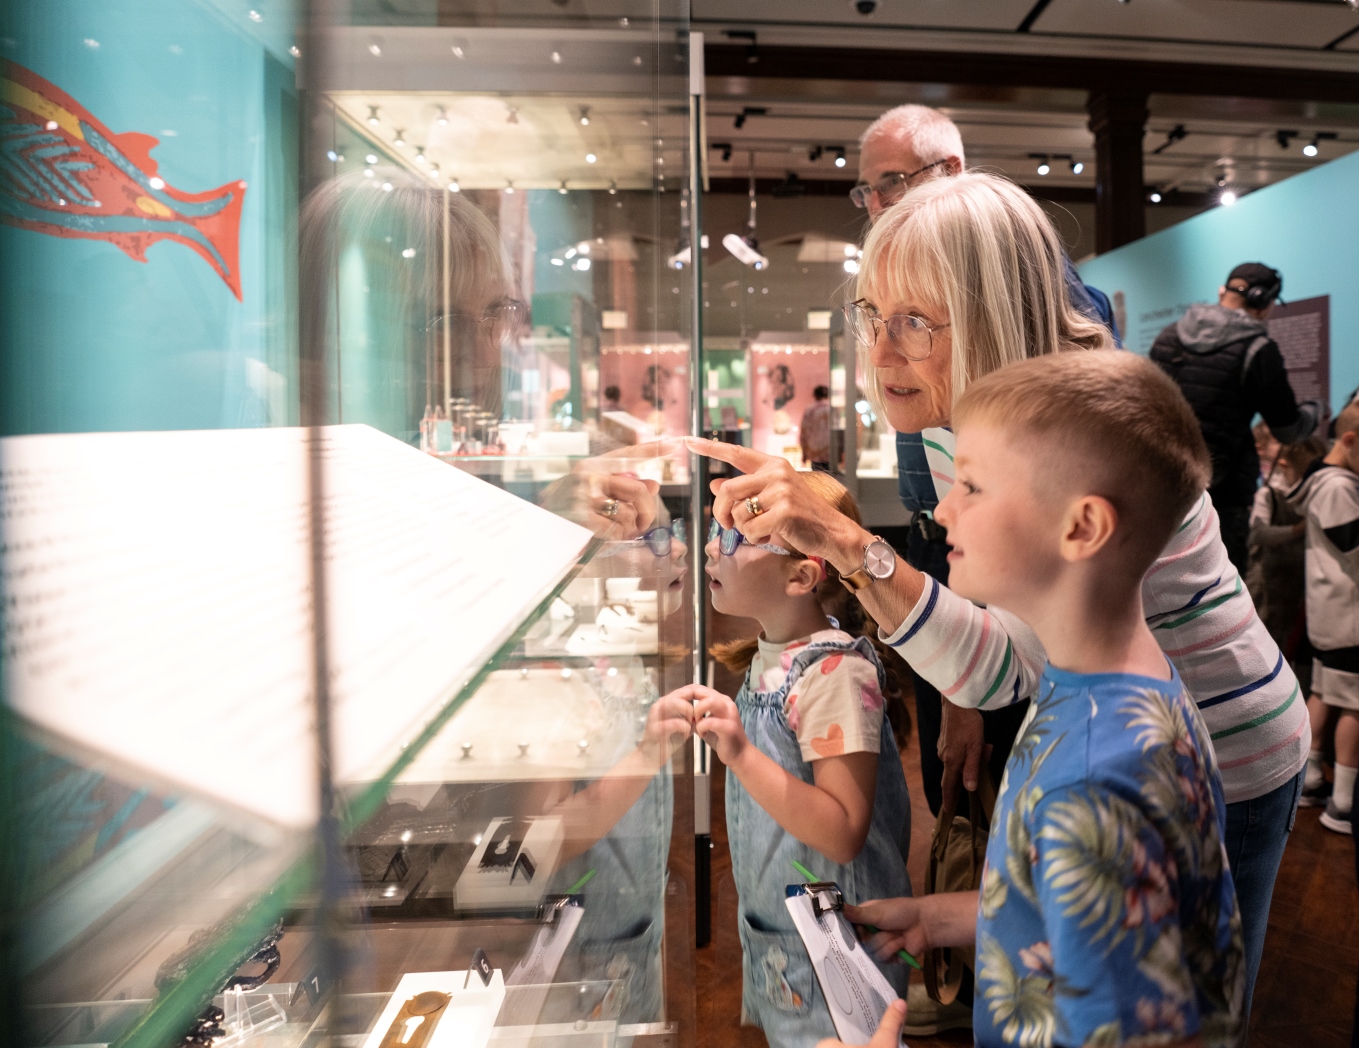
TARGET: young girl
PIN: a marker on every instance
(813, 773)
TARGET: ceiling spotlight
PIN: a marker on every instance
(726, 149)
(1155, 197)
(1228, 197)
(419, 154)
(590, 158)
(375, 50)
(509, 187)
(562, 188)
(512, 117)
(840, 156)
(442, 119)
(1077, 167)
(458, 52)
(453, 186)
(1043, 167)
(1310, 149)
(371, 158)
(332, 156)
(1284, 137)
(744, 251)
(814, 154)
(613, 188)
(584, 116)
(1175, 134)
(556, 58)
(373, 115)
(400, 139)
(295, 51)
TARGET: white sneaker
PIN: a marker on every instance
(1332, 818)
(925, 1018)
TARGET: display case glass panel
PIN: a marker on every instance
(344, 556)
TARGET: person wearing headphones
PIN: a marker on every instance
(1230, 370)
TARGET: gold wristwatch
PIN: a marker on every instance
(880, 561)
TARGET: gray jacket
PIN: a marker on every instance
(1329, 496)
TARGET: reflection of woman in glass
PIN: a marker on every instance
(410, 289)
(782, 389)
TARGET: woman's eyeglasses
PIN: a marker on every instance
(506, 318)
(890, 188)
(911, 335)
(730, 539)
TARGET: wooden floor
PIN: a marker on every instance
(1304, 997)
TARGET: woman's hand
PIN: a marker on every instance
(791, 513)
(718, 723)
(605, 494)
(889, 1029)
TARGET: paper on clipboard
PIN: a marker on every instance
(538, 969)
(856, 993)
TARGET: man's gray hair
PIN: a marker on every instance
(932, 135)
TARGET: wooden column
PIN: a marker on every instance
(1118, 119)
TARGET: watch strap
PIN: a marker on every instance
(857, 580)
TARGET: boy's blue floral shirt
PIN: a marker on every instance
(1107, 913)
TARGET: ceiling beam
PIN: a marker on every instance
(1058, 194)
(1037, 71)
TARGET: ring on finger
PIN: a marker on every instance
(609, 508)
(753, 506)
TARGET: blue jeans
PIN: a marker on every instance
(1257, 831)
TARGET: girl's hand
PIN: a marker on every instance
(718, 723)
(900, 924)
(791, 513)
(668, 724)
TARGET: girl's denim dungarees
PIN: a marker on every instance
(780, 991)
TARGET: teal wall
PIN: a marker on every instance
(94, 340)
(1307, 227)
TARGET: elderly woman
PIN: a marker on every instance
(961, 277)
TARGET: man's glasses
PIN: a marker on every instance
(730, 539)
(911, 335)
(890, 188)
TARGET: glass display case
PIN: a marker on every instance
(345, 558)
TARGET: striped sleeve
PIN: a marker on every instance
(977, 657)
(1203, 618)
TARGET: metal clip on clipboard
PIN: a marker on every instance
(826, 897)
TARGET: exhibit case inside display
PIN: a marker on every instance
(346, 551)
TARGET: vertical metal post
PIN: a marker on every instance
(698, 480)
(446, 306)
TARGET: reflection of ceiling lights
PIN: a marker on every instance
(512, 116)
(400, 139)
(373, 115)
(1228, 197)
(590, 158)
(584, 116)
(613, 188)
(419, 154)
(442, 120)
(744, 253)
(453, 186)
(581, 264)
(371, 158)
(562, 188)
(851, 265)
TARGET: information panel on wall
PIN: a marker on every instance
(1303, 331)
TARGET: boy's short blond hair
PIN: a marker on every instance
(1111, 422)
(1348, 420)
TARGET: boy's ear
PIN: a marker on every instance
(804, 578)
(1088, 526)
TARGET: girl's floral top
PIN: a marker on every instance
(1107, 913)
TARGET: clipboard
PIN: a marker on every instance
(856, 993)
(534, 974)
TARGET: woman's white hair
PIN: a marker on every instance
(931, 134)
(977, 248)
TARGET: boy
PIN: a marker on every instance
(1107, 913)
(1329, 496)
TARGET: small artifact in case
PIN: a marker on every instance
(511, 866)
(441, 1009)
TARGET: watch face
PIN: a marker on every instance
(880, 560)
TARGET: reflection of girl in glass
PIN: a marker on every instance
(781, 385)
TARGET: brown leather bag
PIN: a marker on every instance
(957, 855)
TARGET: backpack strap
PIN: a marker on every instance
(1257, 344)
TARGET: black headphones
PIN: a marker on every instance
(1259, 296)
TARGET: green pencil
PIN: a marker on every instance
(811, 877)
(580, 883)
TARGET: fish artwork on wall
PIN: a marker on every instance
(64, 173)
